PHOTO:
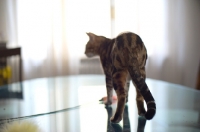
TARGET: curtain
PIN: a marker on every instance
(42, 36)
(183, 29)
(52, 34)
(59, 31)
(170, 30)
(8, 32)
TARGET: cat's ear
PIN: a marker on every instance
(91, 36)
(88, 34)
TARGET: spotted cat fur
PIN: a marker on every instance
(123, 59)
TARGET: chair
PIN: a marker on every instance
(5, 91)
(9, 52)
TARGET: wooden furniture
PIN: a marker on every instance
(9, 52)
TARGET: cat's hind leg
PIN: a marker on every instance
(140, 103)
(119, 80)
(127, 85)
(139, 97)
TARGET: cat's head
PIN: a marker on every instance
(92, 45)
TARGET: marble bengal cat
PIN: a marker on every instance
(123, 59)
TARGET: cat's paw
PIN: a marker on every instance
(105, 101)
(115, 119)
(108, 103)
(141, 112)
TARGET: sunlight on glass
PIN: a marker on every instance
(96, 93)
(92, 114)
(39, 92)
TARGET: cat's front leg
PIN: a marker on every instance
(119, 80)
(109, 88)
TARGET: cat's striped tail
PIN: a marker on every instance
(145, 92)
(151, 105)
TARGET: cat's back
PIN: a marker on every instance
(128, 40)
(127, 46)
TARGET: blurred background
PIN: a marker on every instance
(52, 35)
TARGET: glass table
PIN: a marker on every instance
(71, 104)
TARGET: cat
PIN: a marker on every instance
(123, 59)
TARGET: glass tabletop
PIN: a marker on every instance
(71, 104)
